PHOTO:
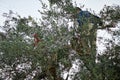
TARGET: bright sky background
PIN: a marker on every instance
(30, 7)
(97, 5)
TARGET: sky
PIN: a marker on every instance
(22, 7)
(31, 7)
(97, 5)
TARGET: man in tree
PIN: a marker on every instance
(84, 17)
(88, 23)
(36, 39)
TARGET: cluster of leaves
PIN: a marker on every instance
(52, 51)
(110, 15)
(58, 48)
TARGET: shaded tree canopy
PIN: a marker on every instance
(59, 47)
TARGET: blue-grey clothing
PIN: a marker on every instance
(85, 16)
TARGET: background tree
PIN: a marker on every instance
(59, 46)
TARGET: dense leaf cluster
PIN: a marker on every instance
(59, 47)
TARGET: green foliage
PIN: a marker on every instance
(58, 48)
(110, 15)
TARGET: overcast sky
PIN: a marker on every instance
(97, 5)
(30, 7)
